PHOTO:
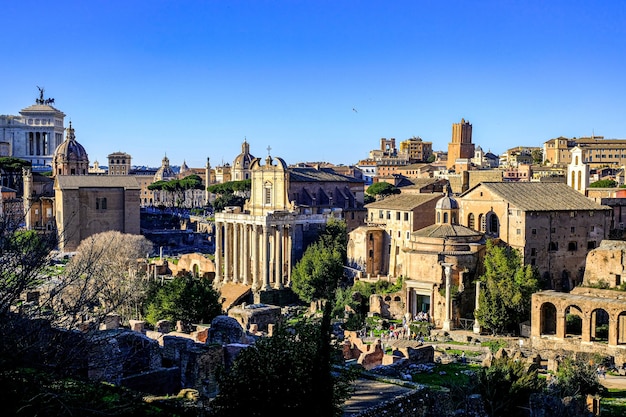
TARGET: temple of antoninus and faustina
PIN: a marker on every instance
(258, 246)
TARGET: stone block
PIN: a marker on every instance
(137, 325)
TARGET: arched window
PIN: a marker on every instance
(579, 186)
(445, 217)
(470, 221)
(494, 225)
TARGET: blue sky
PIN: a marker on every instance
(193, 78)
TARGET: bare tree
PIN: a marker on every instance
(102, 278)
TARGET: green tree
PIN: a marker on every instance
(506, 385)
(277, 377)
(507, 287)
(537, 155)
(231, 193)
(183, 298)
(575, 377)
(382, 189)
(176, 189)
(603, 184)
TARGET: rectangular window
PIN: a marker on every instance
(553, 230)
(398, 216)
(533, 251)
(388, 215)
(533, 231)
(572, 229)
(519, 231)
(406, 217)
(591, 244)
(101, 203)
(380, 214)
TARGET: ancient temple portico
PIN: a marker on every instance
(257, 246)
(256, 250)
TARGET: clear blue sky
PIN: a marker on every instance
(193, 78)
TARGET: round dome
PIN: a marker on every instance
(244, 159)
(70, 157)
(165, 172)
(71, 150)
(447, 203)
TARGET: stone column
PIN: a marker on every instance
(218, 252)
(279, 257)
(288, 253)
(447, 324)
(476, 305)
(227, 260)
(255, 257)
(236, 254)
(265, 241)
(560, 324)
(586, 327)
(612, 330)
(246, 256)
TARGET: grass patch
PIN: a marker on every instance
(459, 352)
(447, 375)
(613, 404)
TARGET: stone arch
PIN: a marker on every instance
(548, 318)
(573, 321)
(600, 325)
(621, 328)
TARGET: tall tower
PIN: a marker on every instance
(461, 145)
(207, 182)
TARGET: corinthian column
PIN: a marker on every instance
(279, 257)
(218, 252)
(245, 252)
(236, 254)
(476, 327)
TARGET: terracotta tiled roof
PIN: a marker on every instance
(403, 201)
(446, 230)
(539, 196)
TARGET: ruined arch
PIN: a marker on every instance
(573, 321)
(621, 328)
(600, 325)
(548, 318)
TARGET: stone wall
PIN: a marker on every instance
(423, 402)
(606, 264)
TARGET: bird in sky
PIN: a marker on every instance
(354, 110)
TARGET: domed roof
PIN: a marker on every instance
(70, 150)
(244, 159)
(447, 203)
(165, 172)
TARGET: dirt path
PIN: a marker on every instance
(612, 381)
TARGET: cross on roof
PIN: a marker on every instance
(269, 148)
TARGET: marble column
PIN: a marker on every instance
(246, 255)
(218, 251)
(265, 241)
(255, 256)
(476, 327)
(227, 260)
(447, 323)
(236, 254)
(279, 257)
(288, 253)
